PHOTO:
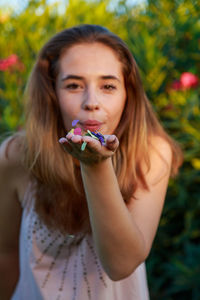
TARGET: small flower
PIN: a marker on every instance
(77, 131)
(176, 85)
(100, 137)
(71, 131)
(13, 59)
(188, 80)
(10, 62)
(74, 122)
(92, 134)
(95, 135)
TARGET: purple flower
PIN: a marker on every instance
(99, 136)
(74, 122)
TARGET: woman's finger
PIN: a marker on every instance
(112, 142)
(66, 145)
(77, 139)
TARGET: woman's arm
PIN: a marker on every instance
(123, 234)
(10, 218)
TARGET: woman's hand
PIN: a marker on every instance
(94, 151)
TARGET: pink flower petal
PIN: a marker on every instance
(77, 131)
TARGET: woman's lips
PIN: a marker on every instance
(92, 125)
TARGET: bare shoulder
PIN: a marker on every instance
(11, 151)
(11, 179)
(12, 172)
(162, 147)
(160, 156)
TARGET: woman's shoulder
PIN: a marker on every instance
(11, 164)
(11, 159)
(11, 179)
(160, 158)
(11, 151)
(162, 146)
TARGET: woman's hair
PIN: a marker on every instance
(60, 198)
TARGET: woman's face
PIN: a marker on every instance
(90, 87)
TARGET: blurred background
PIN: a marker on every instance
(164, 37)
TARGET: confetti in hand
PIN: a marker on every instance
(100, 137)
(95, 135)
(77, 131)
(74, 122)
(83, 146)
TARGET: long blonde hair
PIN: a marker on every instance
(60, 198)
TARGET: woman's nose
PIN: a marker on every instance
(90, 101)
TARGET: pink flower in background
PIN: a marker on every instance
(10, 62)
(176, 85)
(12, 59)
(189, 80)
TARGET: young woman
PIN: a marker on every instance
(79, 223)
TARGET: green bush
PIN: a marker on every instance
(164, 37)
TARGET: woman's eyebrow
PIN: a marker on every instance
(72, 77)
(110, 77)
(104, 77)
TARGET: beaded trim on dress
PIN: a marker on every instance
(54, 266)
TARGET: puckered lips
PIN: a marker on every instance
(92, 125)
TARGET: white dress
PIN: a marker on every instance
(54, 266)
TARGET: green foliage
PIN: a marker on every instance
(26, 33)
(164, 38)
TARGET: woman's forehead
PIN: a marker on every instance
(91, 58)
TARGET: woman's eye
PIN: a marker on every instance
(72, 86)
(109, 87)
